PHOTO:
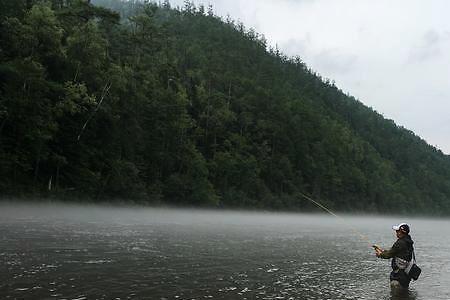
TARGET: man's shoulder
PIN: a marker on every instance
(402, 243)
(399, 243)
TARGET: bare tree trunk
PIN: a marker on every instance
(57, 178)
(229, 95)
(207, 114)
(215, 144)
(1, 128)
(37, 163)
(105, 91)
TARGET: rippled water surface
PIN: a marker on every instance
(74, 252)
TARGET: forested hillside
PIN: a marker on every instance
(162, 105)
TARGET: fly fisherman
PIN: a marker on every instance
(401, 254)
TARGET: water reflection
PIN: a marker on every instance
(403, 294)
(108, 253)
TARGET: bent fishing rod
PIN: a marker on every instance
(357, 232)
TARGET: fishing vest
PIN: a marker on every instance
(403, 263)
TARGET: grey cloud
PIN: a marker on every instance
(431, 37)
(296, 47)
(428, 47)
(330, 61)
(335, 61)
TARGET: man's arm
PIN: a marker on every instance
(386, 254)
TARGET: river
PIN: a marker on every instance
(56, 251)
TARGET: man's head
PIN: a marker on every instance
(401, 229)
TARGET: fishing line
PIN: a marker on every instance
(362, 236)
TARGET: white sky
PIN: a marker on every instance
(394, 56)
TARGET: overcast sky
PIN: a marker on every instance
(394, 56)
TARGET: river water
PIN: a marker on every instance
(55, 251)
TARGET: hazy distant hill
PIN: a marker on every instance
(181, 107)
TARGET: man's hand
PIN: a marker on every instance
(378, 250)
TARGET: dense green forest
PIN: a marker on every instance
(126, 100)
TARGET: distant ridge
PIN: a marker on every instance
(179, 106)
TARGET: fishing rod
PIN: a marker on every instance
(362, 236)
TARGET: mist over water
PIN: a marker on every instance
(59, 251)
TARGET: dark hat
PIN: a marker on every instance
(402, 227)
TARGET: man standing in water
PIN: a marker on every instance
(401, 254)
